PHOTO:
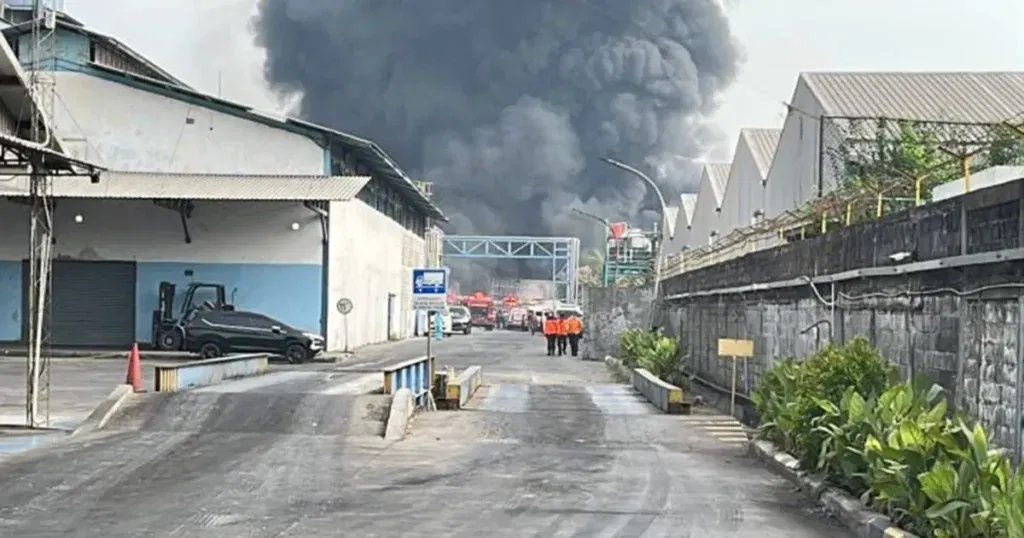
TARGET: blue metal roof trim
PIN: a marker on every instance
(72, 25)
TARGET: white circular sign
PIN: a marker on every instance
(344, 306)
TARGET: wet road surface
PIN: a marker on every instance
(551, 447)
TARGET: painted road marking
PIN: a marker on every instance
(725, 429)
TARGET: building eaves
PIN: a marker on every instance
(73, 25)
(718, 177)
(762, 143)
(958, 97)
(202, 187)
(687, 203)
(369, 152)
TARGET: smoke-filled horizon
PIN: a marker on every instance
(507, 106)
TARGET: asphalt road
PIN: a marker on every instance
(552, 448)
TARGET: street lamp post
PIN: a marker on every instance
(607, 235)
(664, 216)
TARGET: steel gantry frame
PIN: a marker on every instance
(563, 252)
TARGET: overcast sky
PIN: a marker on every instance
(208, 44)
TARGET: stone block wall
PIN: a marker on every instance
(960, 326)
(609, 312)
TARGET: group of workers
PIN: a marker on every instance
(561, 332)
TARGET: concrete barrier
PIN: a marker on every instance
(105, 410)
(187, 375)
(668, 398)
(402, 407)
(460, 388)
(414, 374)
(851, 512)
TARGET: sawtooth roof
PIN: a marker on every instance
(962, 97)
(762, 144)
(718, 176)
(687, 203)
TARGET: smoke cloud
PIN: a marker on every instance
(508, 105)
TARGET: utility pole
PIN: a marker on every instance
(37, 404)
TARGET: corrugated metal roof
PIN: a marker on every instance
(153, 186)
(966, 97)
(718, 176)
(688, 202)
(762, 144)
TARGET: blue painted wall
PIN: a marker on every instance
(291, 293)
(10, 301)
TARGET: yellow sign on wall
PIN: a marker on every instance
(733, 348)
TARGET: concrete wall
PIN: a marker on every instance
(371, 258)
(609, 312)
(958, 326)
(129, 129)
(793, 177)
(248, 247)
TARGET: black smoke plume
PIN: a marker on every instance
(507, 105)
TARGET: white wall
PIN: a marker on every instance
(793, 177)
(370, 256)
(705, 214)
(744, 193)
(222, 232)
(133, 130)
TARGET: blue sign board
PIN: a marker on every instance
(429, 281)
(429, 288)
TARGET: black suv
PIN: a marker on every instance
(214, 333)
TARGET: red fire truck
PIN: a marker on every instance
(481, 311)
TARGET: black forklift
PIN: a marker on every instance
(168, 326)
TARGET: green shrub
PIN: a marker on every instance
(634, 343)
(654, 352)
(793, 395)
(896, 445)
(664, 359)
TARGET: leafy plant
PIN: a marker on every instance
(897, 445)
(635, 342)
(664, 360)
(846, 428)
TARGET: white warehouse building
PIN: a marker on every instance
(822, 102)
(289, 216)
(743, 201)
(778, 170)
(706, 222)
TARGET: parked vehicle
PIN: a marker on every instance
(213, 333)
(518, 319)
(461, 320)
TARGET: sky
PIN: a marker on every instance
(208, 44)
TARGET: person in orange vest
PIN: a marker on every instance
(551, 332)
(563, 335)
(574, 328)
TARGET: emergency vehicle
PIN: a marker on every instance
(481, 311)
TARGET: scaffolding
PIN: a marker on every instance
(41, 88)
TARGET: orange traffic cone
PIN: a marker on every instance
(134, 369)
